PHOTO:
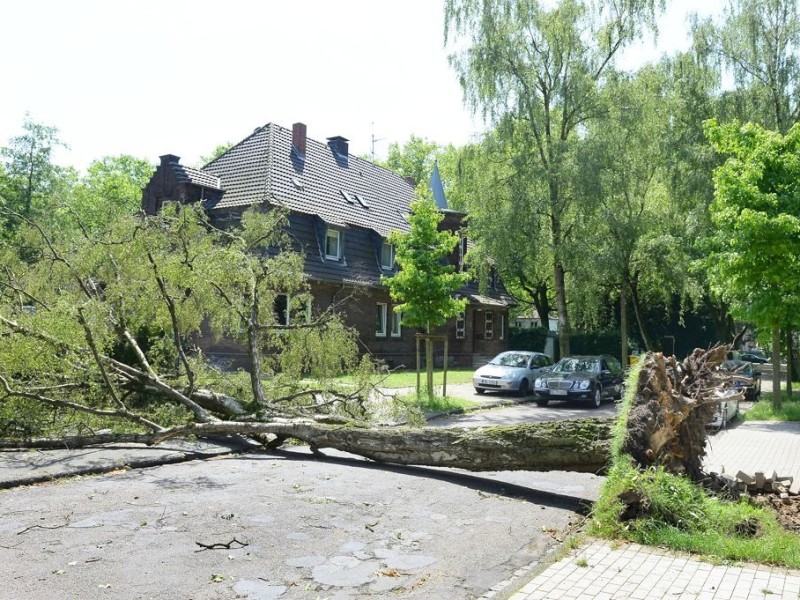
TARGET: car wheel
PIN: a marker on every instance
(542, 402)
(479, 391)
(524, 389)
(597, 399)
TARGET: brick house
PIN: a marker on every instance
(341, 210)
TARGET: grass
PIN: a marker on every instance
(763, 411)
(679, 514)
(408, 379)
(437, 404)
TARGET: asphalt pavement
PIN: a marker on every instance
(279, 525)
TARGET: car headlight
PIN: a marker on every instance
(584, 385)
(539, 384)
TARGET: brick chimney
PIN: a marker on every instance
(169, 158)
(299, 139)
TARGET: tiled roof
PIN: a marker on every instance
(263, 168)
(185, 174)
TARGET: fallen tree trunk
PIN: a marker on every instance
(581, 445)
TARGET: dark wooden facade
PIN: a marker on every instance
(325, 192)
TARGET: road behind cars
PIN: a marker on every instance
(515, 410)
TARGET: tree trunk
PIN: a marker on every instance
(581, 445)
(776, 368)
(623, 323)
(789, 362)
(541, 303)
(561, 305)
(429, 363)
(723, 323)
(640, 320)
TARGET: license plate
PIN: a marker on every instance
(487, 382)
(558, 392)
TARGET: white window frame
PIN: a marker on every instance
(397, 324)
(501, 326)
(461, 326)
(390, 266)
(331, 234)
(382, 309)
(488, 325)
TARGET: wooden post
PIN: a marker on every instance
(444, 374)
(418, 364)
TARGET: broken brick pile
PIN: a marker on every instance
(755, 484)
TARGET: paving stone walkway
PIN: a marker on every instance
(604, 570)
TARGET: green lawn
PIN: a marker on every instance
(437, 404)
(403, 379)
(763, 411)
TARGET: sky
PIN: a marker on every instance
(156, 77)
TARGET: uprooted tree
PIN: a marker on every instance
(98, 344)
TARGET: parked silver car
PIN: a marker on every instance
(512, 371)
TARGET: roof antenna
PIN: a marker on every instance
(373, 139)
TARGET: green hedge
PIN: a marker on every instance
(528, 339)
(596, 342)
(591, 342)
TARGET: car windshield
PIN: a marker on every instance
(575, 365)
(737, 366)
(510, 359)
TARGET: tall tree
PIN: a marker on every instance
(413, 159)
(29, 174)
(111, 188)
(501, 204)
(637, 234)
(694, 98)
(757, 41)
(425, 285)
(540, 70)
(756, 210)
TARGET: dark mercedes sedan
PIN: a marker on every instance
(581, 378)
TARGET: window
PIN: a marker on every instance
(461, 325)
(501, 323)
(396, 324)
(462, 251)
(387, 256)
(281, 309)
(288, 310)
(488, 327)
(333, 246)
(380, 321)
